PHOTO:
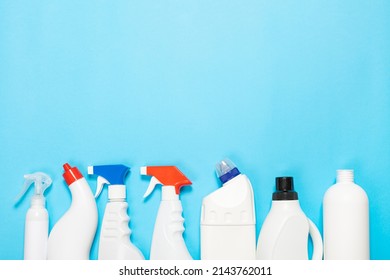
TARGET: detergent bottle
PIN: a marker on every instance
(167, 240)
(72, 236)
(346, 220)
(228, 222)
(286, 229)
(36, 228)
(114, 242)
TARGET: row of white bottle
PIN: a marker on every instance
(228, 222)
(72, 236)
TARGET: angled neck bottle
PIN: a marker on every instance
(228, 221)
(72, 236)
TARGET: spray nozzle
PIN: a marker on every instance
(166, 176)
(112, 175)
(226, 170)
(41, 180)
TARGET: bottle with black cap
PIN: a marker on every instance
(286, 229)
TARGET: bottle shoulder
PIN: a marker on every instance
(116, 204)
(36, 213)
(232, 204)
(233, 192)
(82, 197)
(284, 210)
(345, 192)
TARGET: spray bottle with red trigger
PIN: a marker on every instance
(167, 241)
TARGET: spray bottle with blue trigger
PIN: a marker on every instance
(115, 233)
(37, 218)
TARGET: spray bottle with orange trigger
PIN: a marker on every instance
(167, 241)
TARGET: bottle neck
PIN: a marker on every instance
(116, 200)
(37, 201)
(345, 176)
(116, 193)
(290, 205)
(229, 175)
(169, 193)
(79, 188)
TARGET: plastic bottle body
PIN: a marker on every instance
(72, 236)
(115, 234)
(228, 242)
(36, 233)
(284, 233)
(346, 222)
(228, 227)
(167, 241)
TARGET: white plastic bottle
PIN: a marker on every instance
(72, 236)
(37, 218)
(346, 220)
(167, 241)
(285, 231)
(228, 222)
(114, 241)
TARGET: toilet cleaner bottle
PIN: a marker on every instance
(346, 220)
(36, 228)
(167, 240)
(114, 241)
(72, 236)
(286, 229)
(228, 222)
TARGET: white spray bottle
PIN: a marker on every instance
(72, 236)
(37, 218)
(114, 243)
(346, 220)
(228, 222)
(285, 231)
(167, 241)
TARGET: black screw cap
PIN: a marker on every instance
(285, 189)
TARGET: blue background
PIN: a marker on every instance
(280, 87)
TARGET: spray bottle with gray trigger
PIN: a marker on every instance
(37, 219)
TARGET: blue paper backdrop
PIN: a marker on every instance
(280, 87)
